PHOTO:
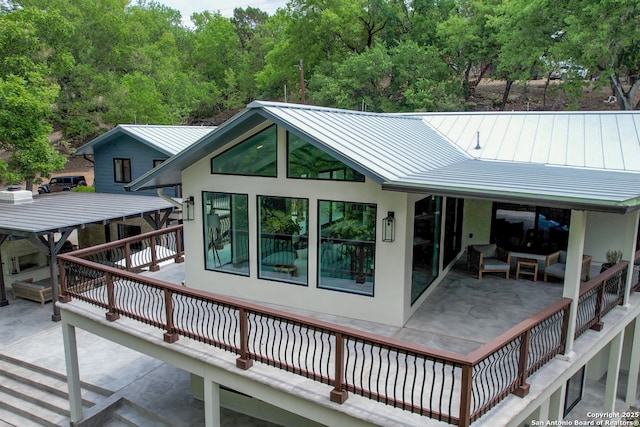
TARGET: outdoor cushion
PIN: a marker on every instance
(555, 270)
(492, 264)
(489, 251)
(280, 258)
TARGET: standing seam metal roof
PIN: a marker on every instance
(167, 139)
(370, 140)
(551, 156)
(68, 210)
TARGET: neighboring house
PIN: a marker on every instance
(362, 215)
(127, 151)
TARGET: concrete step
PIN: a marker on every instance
(34, 396)
(25, 414)
(128, 414)
(55, 381)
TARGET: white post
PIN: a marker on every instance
(634, 365)
(73, 372)
(573, 273)
(613, 373)
(211, 401)
(630, 251)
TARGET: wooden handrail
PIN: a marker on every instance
(342, 334)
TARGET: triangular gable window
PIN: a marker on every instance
(255, 156)
(308, 162)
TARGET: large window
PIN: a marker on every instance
(122, 170)
(283, 244)
(226, 232)
(256, 156)
(532, 229)
(308, 162)
(347, 246)
(426, 244)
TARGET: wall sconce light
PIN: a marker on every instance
(188, 207)
(389, 227)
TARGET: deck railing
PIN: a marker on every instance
(438, 384)
(599, 296)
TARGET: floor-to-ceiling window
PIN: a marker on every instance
(533, 229)
(347, 246)
(282, 247)
(426, 244)
(226, 232)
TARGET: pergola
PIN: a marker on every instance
(38, 219)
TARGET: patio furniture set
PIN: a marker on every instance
(490, 258)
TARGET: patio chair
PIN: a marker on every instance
(489, 259)
(556, 264)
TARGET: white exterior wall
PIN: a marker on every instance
(604, 232)
(392, 282)
(477, 222)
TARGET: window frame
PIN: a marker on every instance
(211, 160)
(320, 238)
(331, 172)
(259, 240)
(119, 166)
(205, 234)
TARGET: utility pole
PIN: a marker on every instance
(301, 67)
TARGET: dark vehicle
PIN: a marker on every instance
(62, 183)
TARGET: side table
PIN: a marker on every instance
(527, 267)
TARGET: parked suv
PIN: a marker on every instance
(62, 183)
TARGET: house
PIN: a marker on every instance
(127, 151)
(363, 215)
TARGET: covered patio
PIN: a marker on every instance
(47, 221)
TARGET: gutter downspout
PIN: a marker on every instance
(163, 196)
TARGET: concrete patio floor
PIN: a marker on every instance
(459, 316)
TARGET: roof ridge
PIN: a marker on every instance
(263, 104)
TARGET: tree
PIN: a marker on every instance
(603, 37)
(26, 98)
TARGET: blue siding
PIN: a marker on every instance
(125, 147)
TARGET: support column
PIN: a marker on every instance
(634, 365)
(543, 410)
(613, 373)
(573, 272)
(211, 401)
(3, 292)
(73, 372)
(556, 403)
(629, 252)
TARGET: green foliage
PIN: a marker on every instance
(83, 189)
(82, 67)
(275, 221)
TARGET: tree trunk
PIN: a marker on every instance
(29, 185)
(505, 95)
(625, 99)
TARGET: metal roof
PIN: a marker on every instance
(559, 186)
(385, 146)
(575, 160)
(596, 140)
(169, 140)
(70, 210)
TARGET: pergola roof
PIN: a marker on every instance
(49, 213)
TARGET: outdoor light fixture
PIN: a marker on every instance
(188, 208)
(389, 227)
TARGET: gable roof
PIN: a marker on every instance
(169, 140)
(572, 160)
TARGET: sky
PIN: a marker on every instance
(187, 7)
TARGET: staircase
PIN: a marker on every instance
(34, 396)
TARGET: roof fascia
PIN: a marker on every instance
(496, 196)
